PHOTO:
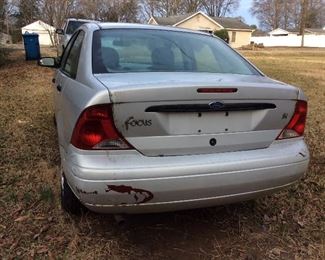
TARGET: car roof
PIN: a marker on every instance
(81, 20)
(107, 25)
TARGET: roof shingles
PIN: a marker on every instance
(231, 23)
(226, 22)
(171, 20)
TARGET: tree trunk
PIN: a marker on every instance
(304, 4)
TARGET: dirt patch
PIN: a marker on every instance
(286, 225)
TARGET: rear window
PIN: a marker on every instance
(146, 50)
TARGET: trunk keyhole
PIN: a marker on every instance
(213, 141)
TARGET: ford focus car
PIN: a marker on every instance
(153, 119)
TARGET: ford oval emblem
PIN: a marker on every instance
(215, 105)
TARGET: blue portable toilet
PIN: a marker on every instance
(31, 44)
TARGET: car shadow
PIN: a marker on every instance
(188, 234)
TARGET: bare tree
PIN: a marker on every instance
(177, 7)
(170, 7)
(191, 6)
(148, 8)
(288, 13)
(54, 12)
(166, 8)
(94, 9)
(277, 13)
(27, 11)
(106, 10)
(304, 5)
(220, 7)
(268, 12)
(294, 11)
(127, 11)
(315, 13)
(3, 4)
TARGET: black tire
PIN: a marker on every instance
(54, 120)
(69, 201)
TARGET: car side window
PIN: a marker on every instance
(66, 50)
(70, 64)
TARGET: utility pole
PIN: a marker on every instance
(304, 4)
(285, 14)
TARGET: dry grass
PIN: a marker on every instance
(287, 225)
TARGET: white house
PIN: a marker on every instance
(239, 32)
(292, 38)
(281, 32)
(5, 38)
(45, 31)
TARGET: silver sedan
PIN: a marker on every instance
(153, 118)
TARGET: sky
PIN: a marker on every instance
(243, 11)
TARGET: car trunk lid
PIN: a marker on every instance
(166, 113)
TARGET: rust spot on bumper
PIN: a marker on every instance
(139, 195)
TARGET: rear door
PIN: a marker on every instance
(67, 87)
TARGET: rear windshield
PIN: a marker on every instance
(73, 25)
(146, 50)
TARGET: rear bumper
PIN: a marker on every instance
(128, 182)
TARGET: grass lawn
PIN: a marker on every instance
(286, 225)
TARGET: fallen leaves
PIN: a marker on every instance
(21, 218)
(42, 230)
(287, 225)
(42, 249)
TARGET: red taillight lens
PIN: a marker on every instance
(95, 129)
(296, 126)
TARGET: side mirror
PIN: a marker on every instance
(59, 31)
(48, 62)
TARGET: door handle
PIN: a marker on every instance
(59, 88)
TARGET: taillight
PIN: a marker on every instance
(296, 125)
(217, 90)
(95, 129)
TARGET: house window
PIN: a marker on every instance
(233, 37)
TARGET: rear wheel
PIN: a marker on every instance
(54, 120)
(69, 201)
